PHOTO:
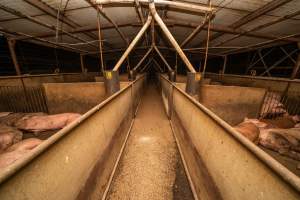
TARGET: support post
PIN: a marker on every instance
(100, 39)
(82, 63)
(111, 82)
(11, 46)
(193, 83)
(224, 65)
(297, 65)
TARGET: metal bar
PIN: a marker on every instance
(149, 61)
(224, 65)
(276, 21)
(172, 4)
(133, 43)
(9, 32)
(260, 44)
(197, 30)
(82, 63)
(100, 40)
(143, 58)
(297, 66)
(11, 46)
(254, 15)
(262, 57)
(263, 61)
(169, 36)
(278, 62)
(141, 16)
(155, 62)
(284, 51)
(51, 12)
(37, 21)
(207, 44)
(163, 58)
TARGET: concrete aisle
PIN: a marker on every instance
(150, 167)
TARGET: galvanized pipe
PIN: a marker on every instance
(163, 58)
(133, 43)
(100, 40)
(169, 36)
(82, 63)
(172, 4)
(155, 62)
(197, 30)
(143, 59)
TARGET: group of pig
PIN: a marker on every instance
(12, 126)
(281, 134)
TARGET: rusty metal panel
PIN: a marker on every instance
(75, 163)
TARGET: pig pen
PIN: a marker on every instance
(238, 99)
(32, 111)
(96, 154)
(52, 98)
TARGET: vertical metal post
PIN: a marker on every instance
(224, 65)
(82, 63)
(11, 46)
(100, 40)
(297, 65)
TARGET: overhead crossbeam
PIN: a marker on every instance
(133, 43)
(170, 36)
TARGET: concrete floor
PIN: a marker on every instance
(150, 167)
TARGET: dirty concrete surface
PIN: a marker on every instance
(150, 167)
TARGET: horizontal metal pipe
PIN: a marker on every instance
(171, 4)
(133, 43)
(170, 37)
(142, 60)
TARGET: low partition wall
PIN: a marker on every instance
(273, 84)
(77, 162)
(38, 80)
(75, 97)
(232, 103)
(220, 162)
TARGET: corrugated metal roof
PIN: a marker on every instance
(80, 12)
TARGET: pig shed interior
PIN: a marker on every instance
(149, 99)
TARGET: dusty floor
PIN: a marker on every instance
(150, 167)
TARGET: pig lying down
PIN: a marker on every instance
(9, 136)
(37, 124)
(18, 151)
(281, 135)
(12, 126)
